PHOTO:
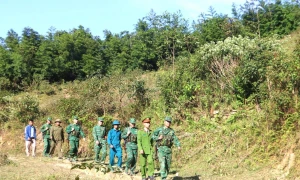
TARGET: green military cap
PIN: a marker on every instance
(168, 118)
(49, 118)
(100, 119)
(132, 120)
(75, 117)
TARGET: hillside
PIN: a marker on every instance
(230, 84)
(221, 141)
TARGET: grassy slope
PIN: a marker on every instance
(214, 148)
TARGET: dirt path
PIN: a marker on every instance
(41, 168)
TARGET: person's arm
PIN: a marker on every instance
(42, 128)
(105, 133)
(69, 129)
(51, 133)
(155, 135)
(62, 135)
(95, 134)
(139, 140)
(27, 133)
(124, 133)
(34, 132)
(151, 140)
(81, 132)
(176, 141)
(109, 142)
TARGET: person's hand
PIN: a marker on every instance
(72, 129)
(51, 138)
(141, 152)
(111, 146)
(46, 128)
(160, 137)
(83, 139)
(97, 142)
(179, 147)
(29, 139)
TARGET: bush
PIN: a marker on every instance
(25, 109)
(69, 107)
(4, 83)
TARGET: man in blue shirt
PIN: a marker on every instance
(30, 137)
(114, 143)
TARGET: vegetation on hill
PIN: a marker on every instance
(230, 83)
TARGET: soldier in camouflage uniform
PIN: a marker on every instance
(45, 129)
(130, 136)
(57, 137)
(165, 137)
(99, 133)
(74, 132)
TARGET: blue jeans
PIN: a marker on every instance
(116, 151)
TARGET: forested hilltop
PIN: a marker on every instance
(158, 40)
(231, 84)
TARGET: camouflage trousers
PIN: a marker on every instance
(131, 158)
(47, 143)
(74, 145)
(165, 157)
(101, 147)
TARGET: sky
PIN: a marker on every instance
(97, 15)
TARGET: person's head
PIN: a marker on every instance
(116, 124)
(75, 119)
(168, 121)
(100, 121)
(30, 122)
(49, 119)
(146, 122)
(132, 122)
(57, 122)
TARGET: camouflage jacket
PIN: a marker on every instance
(169, 137)
(45, 129)
(99, 133)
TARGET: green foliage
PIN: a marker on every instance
(5, 83)
(24, 109)
(69, 107)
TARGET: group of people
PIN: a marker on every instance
(138, 142)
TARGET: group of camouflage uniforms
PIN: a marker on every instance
(136, 142)
(53, 137)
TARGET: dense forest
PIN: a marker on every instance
(158, 41)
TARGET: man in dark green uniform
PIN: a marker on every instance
(99, 133)
(45, 129)
(165, 137)
(74, 132)
(145, 144)
(57, 138)
(130, 136)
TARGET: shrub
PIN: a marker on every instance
(25, 109)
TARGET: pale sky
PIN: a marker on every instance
(97, 15)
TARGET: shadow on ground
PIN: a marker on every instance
(186, 178)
